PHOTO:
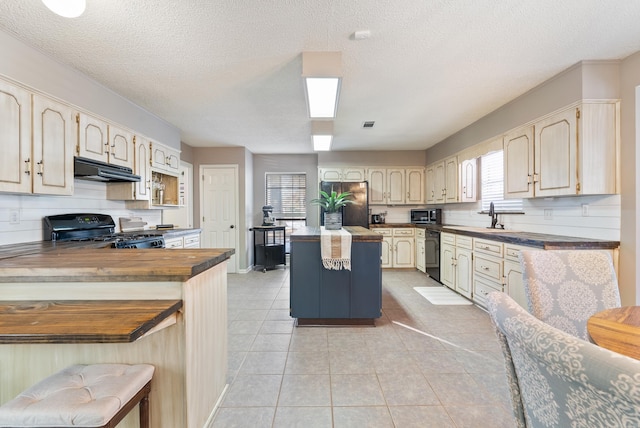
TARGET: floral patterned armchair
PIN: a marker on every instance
(559, 380)
(565, 287)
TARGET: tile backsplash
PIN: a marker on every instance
(21, 215)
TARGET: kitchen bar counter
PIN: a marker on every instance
(55, 263)
(188, 347)
(103, 321)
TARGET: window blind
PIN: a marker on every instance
(492, 184)
(287, 194)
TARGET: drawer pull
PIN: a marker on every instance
(484, 268)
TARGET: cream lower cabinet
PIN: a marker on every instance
(420, 250)
(487, 269)
(456, 258)
(398, 247)
(513, 282)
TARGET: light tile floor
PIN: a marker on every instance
(384, 376)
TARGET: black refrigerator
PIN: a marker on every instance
(356, 214)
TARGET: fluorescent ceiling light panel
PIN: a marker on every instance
(322, 72)
(322, 143)
(66, 8)
(322, 95)
(322, 135)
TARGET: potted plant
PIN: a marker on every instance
(332, 204)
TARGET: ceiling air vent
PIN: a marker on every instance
(368, 124)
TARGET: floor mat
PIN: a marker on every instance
(442, 296)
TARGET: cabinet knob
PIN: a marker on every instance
(27, 169)
(41, 164)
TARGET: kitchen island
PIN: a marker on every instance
(187, 342)
(323, 296)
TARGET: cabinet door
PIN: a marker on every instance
(464, 271)
(430, 177)
(15, 137)
(53, 145)
(93, 138)
(377, 186)
(518, 163)
(120, 147)
(555, 151)
(330, 174)
(395, 186)
(469, 180)
(414, 178)
(447, 266)
(420, 255)
(387, 252)
(142, 167)
(353, 174)
(404, 253)
(514, 285)
(440, 191)
(451, 179)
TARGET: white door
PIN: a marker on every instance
(219, 209)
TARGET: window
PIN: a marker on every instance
(287, 194)
(492, 184)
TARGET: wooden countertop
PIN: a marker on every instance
(39, 262)
(529, 239)
(82, 321)
(617, 329)
(358, 234)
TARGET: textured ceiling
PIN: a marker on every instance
(227, 72)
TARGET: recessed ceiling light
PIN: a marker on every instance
(368, 124)
(66, 8)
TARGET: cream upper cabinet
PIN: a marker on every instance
(342, 174)
(571, 152)
(105, 142)
(93, 138)
(121, 147)
(430, 176)
(15, 134)
(439, 183)
(451, 179)
(469, 180)
(165, 158)
(415, 185)
(142, 163)
(53, 147)
(386, 186)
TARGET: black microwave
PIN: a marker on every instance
(433, 216)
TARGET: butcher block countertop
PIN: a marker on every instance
(82, 321)
(358, 234)
(47, 262)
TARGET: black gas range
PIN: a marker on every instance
(96, 228)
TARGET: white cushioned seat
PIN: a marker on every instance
(80, 395)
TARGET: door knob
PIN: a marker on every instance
(231, 227)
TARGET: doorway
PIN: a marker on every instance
(219, 209)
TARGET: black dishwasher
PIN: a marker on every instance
(432, 253)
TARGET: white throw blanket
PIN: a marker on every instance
(335, 249)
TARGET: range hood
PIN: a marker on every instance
(89, 169)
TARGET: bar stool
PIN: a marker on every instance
(89, 396)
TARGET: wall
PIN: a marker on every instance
(89, 197)
(607, 214)
(630, 162)
(43, 73)
(229, 156)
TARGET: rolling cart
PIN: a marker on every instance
(268, 246)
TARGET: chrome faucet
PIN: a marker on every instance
(494, 216)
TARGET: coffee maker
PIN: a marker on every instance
(267, 218)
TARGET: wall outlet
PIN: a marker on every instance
(585, 210)
(548, 214)
(14, 217)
